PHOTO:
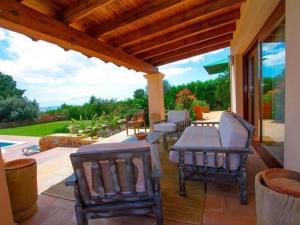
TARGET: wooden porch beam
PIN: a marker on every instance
(191, 48)
(216, 23)
(77, 11)
(19, 18)
(189, 41)
(153, 7)
(191, 54)
(202, 12)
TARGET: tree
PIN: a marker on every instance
(14, 109)
(222, 91)
(139, 93)
(8, 87)
(92, 99)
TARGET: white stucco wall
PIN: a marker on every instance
(292, 96)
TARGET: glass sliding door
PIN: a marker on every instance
(272, 65)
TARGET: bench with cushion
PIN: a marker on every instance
(173, 126)
(210, 154)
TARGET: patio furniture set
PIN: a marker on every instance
(121, 179)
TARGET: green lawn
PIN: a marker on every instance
(37, 130)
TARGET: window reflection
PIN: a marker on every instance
(273, 91)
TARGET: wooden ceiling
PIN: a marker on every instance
(137, 34)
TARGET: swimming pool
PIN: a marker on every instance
(6, 144)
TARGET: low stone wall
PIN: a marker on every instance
(64, 140)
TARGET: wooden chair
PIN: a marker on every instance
(115, 180)
(137, 120)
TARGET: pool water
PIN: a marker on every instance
(6, 144)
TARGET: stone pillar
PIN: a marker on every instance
(292, 82)
(155, 97)
(5, 212)
(236, 71)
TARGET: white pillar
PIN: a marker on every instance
(5, 208)
(237, 85)
(155, 96)
(292, 84)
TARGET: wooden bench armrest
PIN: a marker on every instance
(71, 180)
(214, 150)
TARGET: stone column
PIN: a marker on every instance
(236, 71)
(155, 97)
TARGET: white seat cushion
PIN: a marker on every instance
(178, 115)
(232, 134)
(165, 127)
(198, 137)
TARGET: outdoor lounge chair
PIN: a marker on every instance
(118, 179)
(208, 154)
(173, 126)
(136, 122)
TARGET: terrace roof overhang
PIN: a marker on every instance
(136, 34)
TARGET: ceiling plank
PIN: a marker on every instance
(17, 17)
(191, 48)
(81, 9)
(203, 11)
(198, 38)
(153, 7)
(191, 54)
(198, 28)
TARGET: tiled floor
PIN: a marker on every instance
(221, 204)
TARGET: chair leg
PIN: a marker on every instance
(182, 182)
(243, 188)
(158, 212)
(80, 217)
(165, 142)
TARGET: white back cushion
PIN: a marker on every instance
(178, 115)
(232, 134)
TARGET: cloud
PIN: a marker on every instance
(275, 59)
(2, 34)
(54, 76)
(174, 71)
(216, 52)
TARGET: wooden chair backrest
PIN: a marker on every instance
(112, 158)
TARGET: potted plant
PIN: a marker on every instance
(74, 127)
(197, 108)
(205, 106)
(267, 105)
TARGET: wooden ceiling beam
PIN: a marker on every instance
(191, 48)
(191, 54)
(198, 28)
(153, 7)
(202, 12)
(189, 41)
(83, 8)
(19, 18)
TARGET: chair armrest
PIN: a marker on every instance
(205, 124)
(214, 150)
(71, 180)
(160, 121)
(181, 125)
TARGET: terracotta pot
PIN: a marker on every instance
(267, 110)
(198, 112)
(205, 109)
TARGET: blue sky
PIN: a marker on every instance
(53, 76)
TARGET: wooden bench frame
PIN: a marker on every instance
(215, 174)
(118, 204)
